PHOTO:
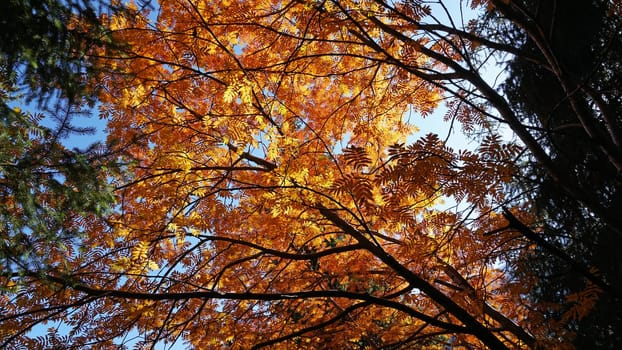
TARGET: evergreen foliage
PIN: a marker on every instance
(586, 42)
(46, 189)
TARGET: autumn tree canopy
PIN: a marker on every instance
(273, 192)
